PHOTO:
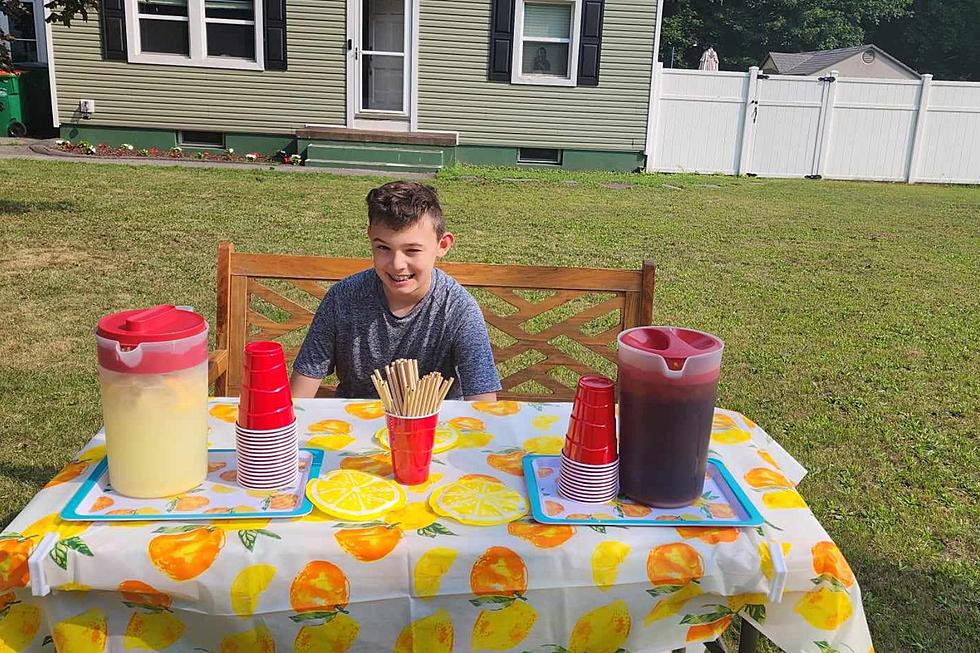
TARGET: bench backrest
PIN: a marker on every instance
(548, 325)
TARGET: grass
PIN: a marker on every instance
(850, 313)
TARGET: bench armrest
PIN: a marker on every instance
(217, 365)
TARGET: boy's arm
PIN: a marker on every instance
(316, 358)
(303, 386)
(473, 357)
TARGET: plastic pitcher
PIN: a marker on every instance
(153, 375)
(668, 382)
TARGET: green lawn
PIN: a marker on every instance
(850, 313)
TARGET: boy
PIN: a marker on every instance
(403, 308)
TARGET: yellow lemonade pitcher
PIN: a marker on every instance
(153, 374)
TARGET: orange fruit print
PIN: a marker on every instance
(365, 409)
(183, 556)
(14, 553)
(543, 536)
(499, 408)
(69, 472)
(369, 544)
(139, 593)
(709, 535)
(674, 564)
(705, 632)
(510, 462)
(379, 463)
(498, 572)
(320, 586)
(828, 560)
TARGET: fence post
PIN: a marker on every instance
(653, 116)
(825, 125)
(920, 126)
(748, 122)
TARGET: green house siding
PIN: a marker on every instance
(312, 91)
(454, 93)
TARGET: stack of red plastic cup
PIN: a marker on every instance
(266, 444)
(589, 469)
(411, 440)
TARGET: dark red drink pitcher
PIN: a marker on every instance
(668, 382)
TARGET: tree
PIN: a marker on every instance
(938, 37)
(62, 11)
(743, 31)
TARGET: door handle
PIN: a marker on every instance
(350, 44)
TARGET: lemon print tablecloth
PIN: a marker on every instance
(417, 579)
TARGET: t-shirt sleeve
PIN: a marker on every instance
(317, 357)
(472, 355)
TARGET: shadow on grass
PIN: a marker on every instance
(12, 207)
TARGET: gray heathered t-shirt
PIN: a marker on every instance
(354, 333)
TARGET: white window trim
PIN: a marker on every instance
(517, 76)
(196, 30)
(40, 29)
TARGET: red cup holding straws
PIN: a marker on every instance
(411, 440)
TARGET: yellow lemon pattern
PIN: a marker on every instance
(254, 640)
(430, 569)
(334, 636)
(86, 632)
(432, 634)
(825, 608)
(248, 586)
(606, 558)
(19, 626)
(152, 631)
(503, 629)
(602, 630)
(545, 444)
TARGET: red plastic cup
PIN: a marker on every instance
(411, 440)
(264, 401)
(267, 421)
(591, 435)
(589, 455)
(264, 355)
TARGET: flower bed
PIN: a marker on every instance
(128, 151)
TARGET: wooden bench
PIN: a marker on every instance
(548, 325)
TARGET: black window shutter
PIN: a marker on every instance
(501, 40)
(112, 23)
(275, 34)
(590, 42)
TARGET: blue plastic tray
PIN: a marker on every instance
(225, 498)
(723, 503)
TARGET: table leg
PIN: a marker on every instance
(748, 638)
(716, 646)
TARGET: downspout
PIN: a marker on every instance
(52, 85)
(651, 109)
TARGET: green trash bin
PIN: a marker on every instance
(11, 113)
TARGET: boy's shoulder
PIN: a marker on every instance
(355, 285)
(453, 290)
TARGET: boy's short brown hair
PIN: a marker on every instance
(400, 204)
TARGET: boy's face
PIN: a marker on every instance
(404, 259)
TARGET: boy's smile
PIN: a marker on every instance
(403, 260)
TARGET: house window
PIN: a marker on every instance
(28, 30)
(546, 42)
(210, 33)
(201, 139)
(539, 155)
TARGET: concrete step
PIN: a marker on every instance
(398, 156)
(386, 166)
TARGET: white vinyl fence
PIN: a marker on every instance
(836, 127)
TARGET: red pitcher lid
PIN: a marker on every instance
(674, 344)
(155, 324)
